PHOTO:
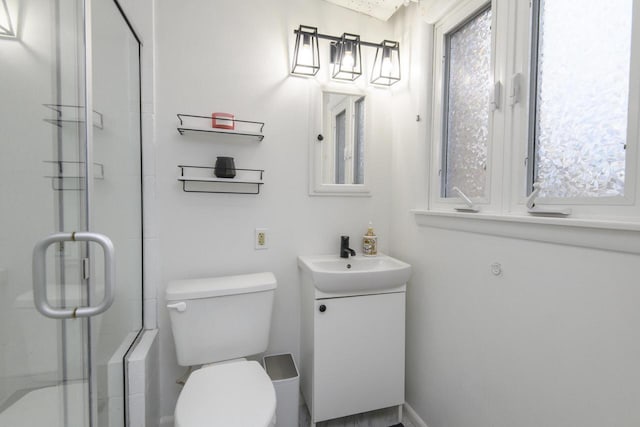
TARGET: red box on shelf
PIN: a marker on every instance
(223, 121)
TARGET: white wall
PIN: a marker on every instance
(551, 342)
(234, 57)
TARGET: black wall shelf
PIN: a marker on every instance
(246, 128)
(246, 181)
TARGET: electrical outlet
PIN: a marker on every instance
(261, 241)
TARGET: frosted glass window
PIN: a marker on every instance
(341, 125)
(580, 100)
(466, 113)
(358, 160)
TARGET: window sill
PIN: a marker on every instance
(615, 236)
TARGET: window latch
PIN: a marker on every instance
(469, 206)
(537, 210)
(531, 200)
(497, 93)
(514, 94)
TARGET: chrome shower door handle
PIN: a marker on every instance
(40, 275)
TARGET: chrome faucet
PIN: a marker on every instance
(345, 250)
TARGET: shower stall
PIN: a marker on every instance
(70, 211)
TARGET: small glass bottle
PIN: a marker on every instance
(370, 242)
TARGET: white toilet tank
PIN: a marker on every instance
(220, 318)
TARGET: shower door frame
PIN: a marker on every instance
(90, 343)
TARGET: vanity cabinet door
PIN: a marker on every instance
(359, 354)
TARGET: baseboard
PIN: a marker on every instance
(413, 416)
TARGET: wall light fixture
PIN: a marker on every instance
(345, 56)
(348, 63)
(306, 57)
(386, 66)
(6, 27)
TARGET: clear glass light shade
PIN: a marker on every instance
(348, 64)
(306, 56)
(333, 52)
(386, 66)
(6, 26)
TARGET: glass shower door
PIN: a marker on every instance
(116, 202)
(66, 170)
(45, 366)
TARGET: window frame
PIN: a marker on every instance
(509, 148)
(460, 16)
(521, 121)
(446, 86)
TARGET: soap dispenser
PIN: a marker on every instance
(370, 242)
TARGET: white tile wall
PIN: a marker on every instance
(150, 313)
(151, 281)
(148, 135)
(116, 410)
(142, 386)
(137, 410)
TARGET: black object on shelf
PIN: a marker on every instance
(225, 167)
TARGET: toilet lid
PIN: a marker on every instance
(238, 394)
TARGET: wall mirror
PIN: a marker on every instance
(340, 152)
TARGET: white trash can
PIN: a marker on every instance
(283, 372)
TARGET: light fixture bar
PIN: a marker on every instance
(339, 38)
(345, 56)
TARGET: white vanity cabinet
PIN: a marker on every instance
(352, 351)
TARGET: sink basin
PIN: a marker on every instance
(330, 273)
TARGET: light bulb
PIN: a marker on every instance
(387, 67)
(347, 59)
(305, 56)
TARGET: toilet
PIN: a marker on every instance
(216, 322)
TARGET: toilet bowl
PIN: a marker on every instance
(236, 394)
(223, 319)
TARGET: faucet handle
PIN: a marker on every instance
(344, 246)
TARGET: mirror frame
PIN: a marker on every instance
(316, 186)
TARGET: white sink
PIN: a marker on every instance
(330, 273)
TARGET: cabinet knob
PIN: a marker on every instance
(322, 308)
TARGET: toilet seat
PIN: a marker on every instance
(238, 394)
